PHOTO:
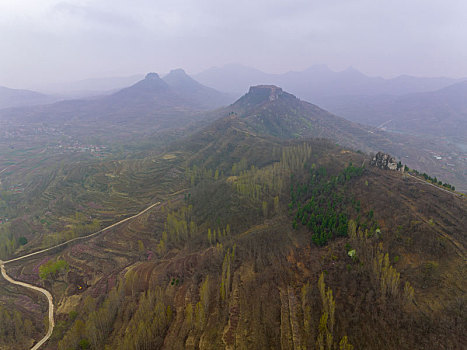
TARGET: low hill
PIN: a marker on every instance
(92, 86)
(268, 110)
(438, 113)
(151, 105)
(259, 239)
(195, 92)
(16, 98)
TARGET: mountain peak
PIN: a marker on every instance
(260, 94)
(149, 85)
(351, 71)
(179, 72)
(178, 78)
(152, 76)
(272, 92)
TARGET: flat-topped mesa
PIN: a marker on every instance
(152, 76)
(179, 72)
(260, 94)
(270, 92)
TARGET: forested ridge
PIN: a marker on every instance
(258, 241)
(282, 268)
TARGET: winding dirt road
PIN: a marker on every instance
(46, 292)
(41, 290)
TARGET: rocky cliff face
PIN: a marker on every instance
(261, 94)
(386, 162)
(269, 92)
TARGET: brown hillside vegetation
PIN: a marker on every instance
(256, 240)
(220, 265)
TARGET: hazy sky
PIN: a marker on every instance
(44, 41)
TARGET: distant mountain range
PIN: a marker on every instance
(195, 92)
(155, 105)
(267, 110)
(420, 106)
(90, 87)
(439, 113)
(252, 233)
(16, 98)
(155, 102)
(318, 81)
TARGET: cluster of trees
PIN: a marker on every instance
(261, 183)
(238, 168)
(384, 276)
(147, 328)
(8, 242)
(295, 158)
(320, 206)
(265, 207)
(226, 275)
(433, 180)
(13, 329)
(324, 217)
(215, 235)
(179, 226)
(195, 317)
(51, 268)
(385, 273)
(143, 320)
(7, 204)
(196, 174)
(12, 236)
(268, 182)
(326, 334)
(81, 227)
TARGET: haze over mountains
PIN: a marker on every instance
(251, 219)
(17, 97)
(92, 86)
(318, 81)
(270, 111)
(155, 104)
(442, 112)
(435, 106)
(424, 107)
(320, 207)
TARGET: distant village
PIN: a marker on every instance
(63, 143)
(77, 147)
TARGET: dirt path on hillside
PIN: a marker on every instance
(439, 188)
(81, 238)
(41, 290)
(46, 292)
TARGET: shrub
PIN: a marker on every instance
(51, 268)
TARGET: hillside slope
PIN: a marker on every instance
(438, 113)
(16, 98)
(148, 106)
(268, 110)
(261, 240)
(195, 92)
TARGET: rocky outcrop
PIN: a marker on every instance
(386, 162)
(269, 92)
(260, 94)
(152, 76)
